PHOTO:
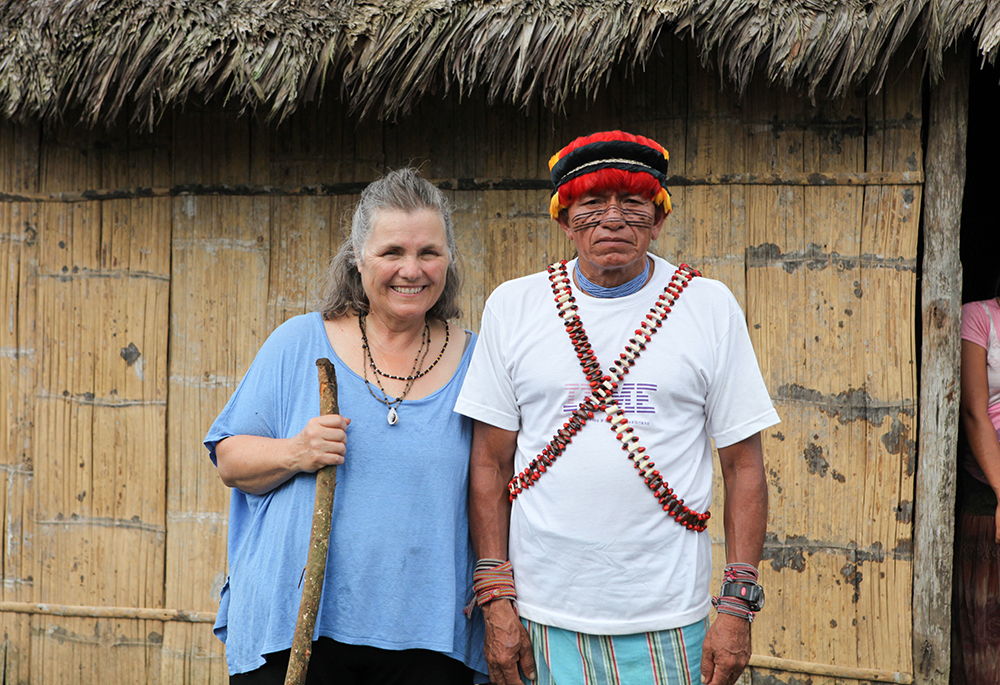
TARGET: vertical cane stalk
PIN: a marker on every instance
(319, 542)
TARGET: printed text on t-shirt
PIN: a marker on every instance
(633, 398)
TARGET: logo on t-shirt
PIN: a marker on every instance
(633, 398)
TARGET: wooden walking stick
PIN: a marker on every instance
(319, 542)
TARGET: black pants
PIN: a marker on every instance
(334, 663)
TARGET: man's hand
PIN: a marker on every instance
(726, 651)
(507, 644)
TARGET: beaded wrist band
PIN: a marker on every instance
(493, 579)
(734, 606)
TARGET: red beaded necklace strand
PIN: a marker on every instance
(602, 396)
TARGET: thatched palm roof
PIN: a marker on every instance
(94, 56)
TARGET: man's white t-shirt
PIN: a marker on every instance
(592, 549)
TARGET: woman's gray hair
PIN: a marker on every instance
(402, 190)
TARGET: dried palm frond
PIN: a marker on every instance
(96, 56)
(814, 44)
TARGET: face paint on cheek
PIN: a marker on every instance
(586, 220)
(637, 218)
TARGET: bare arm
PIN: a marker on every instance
(257, 465)
(726, 651)
(490, 469)
(979, 429)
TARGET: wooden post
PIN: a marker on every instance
(941, 296)
(319, 542)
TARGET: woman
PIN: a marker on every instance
(977, 573)
(400, 563)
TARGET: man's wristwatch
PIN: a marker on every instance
(749, 591)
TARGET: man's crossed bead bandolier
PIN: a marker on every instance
(602, 395)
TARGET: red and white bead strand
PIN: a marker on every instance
(602, 397)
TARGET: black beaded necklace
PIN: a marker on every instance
(425, 345)
(411, 377)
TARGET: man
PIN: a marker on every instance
(615, 360)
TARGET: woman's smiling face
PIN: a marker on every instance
(405, 264)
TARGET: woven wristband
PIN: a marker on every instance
(493, 579)
(734, 606)
(738, 572)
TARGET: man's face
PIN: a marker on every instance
(611, 232)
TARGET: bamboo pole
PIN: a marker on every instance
(878, 178)
(830, 670)
(141, 613)
(756, 661)
(319, 543)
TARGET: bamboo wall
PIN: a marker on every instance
(143, 270)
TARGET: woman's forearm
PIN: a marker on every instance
(256, 464)
(979, 430)
(985, 446)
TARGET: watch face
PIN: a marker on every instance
(751, 593)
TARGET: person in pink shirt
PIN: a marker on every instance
(977, 567)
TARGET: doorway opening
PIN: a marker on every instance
(980, 233)
(979, 251)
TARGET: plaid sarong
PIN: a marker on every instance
(666, 657)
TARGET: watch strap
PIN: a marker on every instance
(746, 591)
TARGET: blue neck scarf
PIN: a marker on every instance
(594, 290)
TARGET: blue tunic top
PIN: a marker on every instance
(400, 564)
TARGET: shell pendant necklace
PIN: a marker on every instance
(418, 361)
